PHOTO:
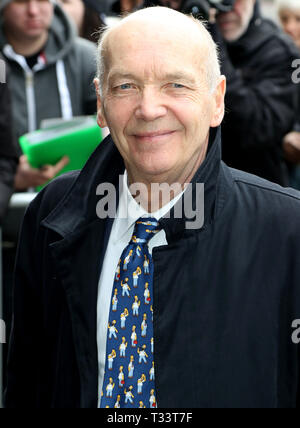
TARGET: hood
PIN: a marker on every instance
(4, 3)
(62, 34)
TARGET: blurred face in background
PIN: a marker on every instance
(28, 19)
(235, 23)
(75, 10)
(290, 20)
(127, 6)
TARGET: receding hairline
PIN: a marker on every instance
(147, 15)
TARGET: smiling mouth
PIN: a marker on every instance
(153, 136)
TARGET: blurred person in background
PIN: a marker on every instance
(52, 73)
(87, 16)
(256, 59)
(8, 153)
(119, 7)
(289, 14)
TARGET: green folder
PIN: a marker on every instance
(76, 138)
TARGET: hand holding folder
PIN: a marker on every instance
(27, 176)
(59, 147)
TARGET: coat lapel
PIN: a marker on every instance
(78, 261)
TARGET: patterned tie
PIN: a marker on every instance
(129, 380)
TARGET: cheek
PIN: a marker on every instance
(118, 114)
(47, 14)
(15, 18)
(240, 9)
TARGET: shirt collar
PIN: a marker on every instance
(130, 211)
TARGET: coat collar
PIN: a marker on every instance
(78, 208)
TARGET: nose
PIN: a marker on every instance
(151, 106)
(32, 7)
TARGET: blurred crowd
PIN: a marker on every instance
(49, 48)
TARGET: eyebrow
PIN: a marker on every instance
(176, 76)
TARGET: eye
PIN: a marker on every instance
(125, 86)
(176, 86)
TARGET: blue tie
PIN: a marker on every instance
(129, 380)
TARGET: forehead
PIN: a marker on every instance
(20, 6)
(290, 12)
(152, 50)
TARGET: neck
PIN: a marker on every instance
(158, 191)
(27, 47)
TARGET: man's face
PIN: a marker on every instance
(235, 23)
(28, 18)
(156, 99)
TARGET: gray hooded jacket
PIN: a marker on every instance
(59, 85)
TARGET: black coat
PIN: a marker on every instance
(8, 151)
(225, 294)
(261, 100)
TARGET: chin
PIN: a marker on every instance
(155, 165)
(154, 170)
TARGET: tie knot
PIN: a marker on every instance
(145, 229)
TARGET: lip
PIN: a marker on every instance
(153, 136)
(226, 23)
(33, 23)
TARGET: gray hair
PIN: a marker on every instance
(213, 70)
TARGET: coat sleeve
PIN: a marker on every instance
(8, 152)
(7, 173)
(268, 102)
(24, 347)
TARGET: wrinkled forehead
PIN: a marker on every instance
(151, 47)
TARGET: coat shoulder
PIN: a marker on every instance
(274, 42)
(267, 198)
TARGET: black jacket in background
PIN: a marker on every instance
(8, 155)
(225, 294)
(261, 100)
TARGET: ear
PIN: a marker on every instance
(219, 103)
(100, 115)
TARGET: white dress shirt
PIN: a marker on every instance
(129, 211)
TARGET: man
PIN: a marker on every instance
(224, 291)
(261, 100)
(8, 153)
(51, 73)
